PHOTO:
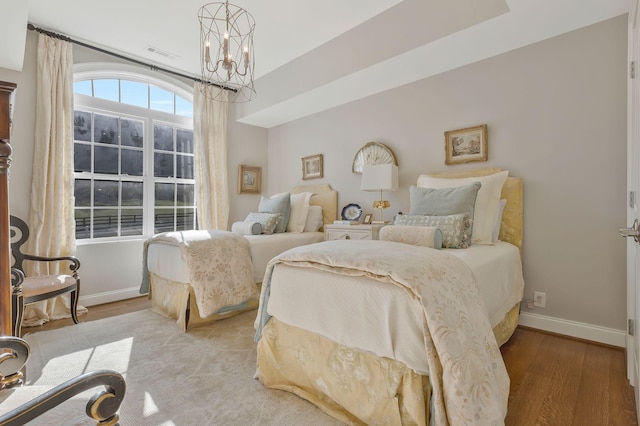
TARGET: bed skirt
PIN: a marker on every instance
(176, 300)
(352, 386)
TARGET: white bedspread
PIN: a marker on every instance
(387, 325)
(218, 263)
(167, 262)
(469, 381)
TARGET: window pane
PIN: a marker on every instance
(164, 193)
(184, 107)
(81, 157)
(160, 99)
(132, 162)
(131, 133)
(184, 141)
(163, 138)
(134, 93)
(106, 89)
(162, 165)
(184, 166)
(132, 194)
(105, 160)
(83, 223)
(131, 222)
(82, 87)
(105, 193)
(105, 223)
(185, 219)
(105, 129)
(163, 220)
(82, 192)
(82, 126)
(184, 195)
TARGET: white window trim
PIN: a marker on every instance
(109, 70)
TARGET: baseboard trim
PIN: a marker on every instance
(109, 296)
(581, 330)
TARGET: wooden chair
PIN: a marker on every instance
(35, 289)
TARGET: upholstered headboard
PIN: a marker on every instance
(511, 229)
(324, 197)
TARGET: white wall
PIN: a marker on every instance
(556, 114)
(109, 271)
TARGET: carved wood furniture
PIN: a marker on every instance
(38, 288)
(6, 90)
(102, 407)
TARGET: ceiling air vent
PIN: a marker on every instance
(161, 52)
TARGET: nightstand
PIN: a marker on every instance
(352, 232)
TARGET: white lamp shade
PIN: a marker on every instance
(379, 177)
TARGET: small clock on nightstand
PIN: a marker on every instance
(351, 211)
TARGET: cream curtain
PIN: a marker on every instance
(51, 217)
(210, 138)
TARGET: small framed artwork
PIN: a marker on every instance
(465, 145)
(249, 179)
(367, 219)
(312, 167)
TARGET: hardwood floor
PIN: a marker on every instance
(561, 381)
(554, 380)
(97, 312)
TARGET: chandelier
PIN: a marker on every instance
(226, 52)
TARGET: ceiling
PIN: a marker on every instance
(312, 55)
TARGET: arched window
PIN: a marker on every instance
(133, 154)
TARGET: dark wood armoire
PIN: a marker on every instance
(6, 92)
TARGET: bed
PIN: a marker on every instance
(395, 358)
(168, 274)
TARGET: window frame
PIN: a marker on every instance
(94, 71)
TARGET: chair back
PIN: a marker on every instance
(19, 232)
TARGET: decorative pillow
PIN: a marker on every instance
(314, 219)
(299, 211)
(269, 221)
(278, 203)
(487, 201)
(454, 227)
(444, 201)
(425, 236)
(496, 228)
(247, 228)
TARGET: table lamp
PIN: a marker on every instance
(380, 177)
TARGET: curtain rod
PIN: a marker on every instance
(32, 27)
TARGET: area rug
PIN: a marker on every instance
(203, 377)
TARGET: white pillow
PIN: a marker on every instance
(299, 211)
(269, 221)
(314, 219)
(487, 201)
(496, 228)
(426, 236)
(247, 228)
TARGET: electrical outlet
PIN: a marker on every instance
(539, 299)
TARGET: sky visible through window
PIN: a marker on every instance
(134, 93)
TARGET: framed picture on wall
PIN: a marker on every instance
(312, 167)
(249, 179)
(465, 145)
